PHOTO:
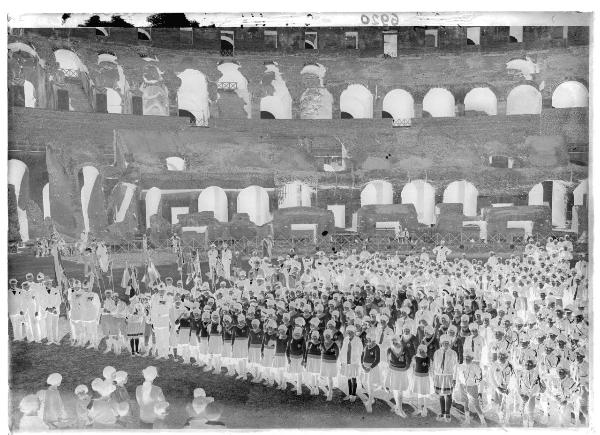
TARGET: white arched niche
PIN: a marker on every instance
(570, 94)
(524, 100)
(17, 172)
(230, 73)
(192, 95)
(422, 195)
(356, 102)
(152, 202)
(481, 100)
(462, 192)
(553, 193)
(113, 101)
(295, 194)
(398, 104)
(439, 103)
(29, 92)
(278, 105)
(214, 199)
(254, 200)
(46, 200)
(377, 192)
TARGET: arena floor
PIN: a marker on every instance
(246, 405)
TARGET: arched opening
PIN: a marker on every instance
(175, 164)
(124, 206)
(113, 101)
(254, 200)
(46, 200)
(398, 104)
(233, 82)
(279, 104)
(155, 101)
(15, 47)
(570, 94)
(356, 102)
(439, 102)
(422, 195)
(227, 42)
(69, 61)
(553, 193)
(107, 57)
(18, 176)
(214, 199)
(192, 96)
(481, 100)
(377, 192)
(464, 193)
(152, 203)
(101, 31)
(295, 194)
(29, 91)
(186, 114)
(143, 35)
(89, 175)
(524, 100)
(266, 115)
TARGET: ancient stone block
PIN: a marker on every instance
(369, 215)
(284, 219)
(497, 218)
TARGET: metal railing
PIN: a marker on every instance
(458, 242)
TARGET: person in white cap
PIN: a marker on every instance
(213, 257)
(16, 310)
(90, 316)
(30, 421)
(147, 395)
(530, 385)
(51, 301)
(470, 387)
(502, 381)
(226, 256)
(399, 359)
(55, 414)
(370, 360)
(350, 359)
(445, 365)
(31, 307)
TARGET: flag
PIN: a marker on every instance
(152, 274)
(134, 282)
(126, 277)
(344, 152)
(59, 271)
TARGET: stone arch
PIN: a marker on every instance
(279, 105)
(231, 76)
(462, 192)
(90, 174)
(68, 60)
(356, 102)
(144, 35)
(152, 200)
(553, 193)
(439, 102)
(114, 103)
(155, 100)
(422, 195)
(481, 100)
(524, 100)
(15, 47)
(398, 104)
(175, 164)
(377, 192)
(192, 95)
(46, 200)
(570, 94)
(254, 200)
(29, 90)
(214, 199)
(18, 176)
(295, 194)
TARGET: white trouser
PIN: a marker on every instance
(52, 327)
(42, 324)
(227, 269)
(33, 329)
(90, 331)
(162, 340)
(18, 321)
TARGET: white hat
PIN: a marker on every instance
(54, 379)
(109, 372)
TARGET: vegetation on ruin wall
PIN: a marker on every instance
(13, 219)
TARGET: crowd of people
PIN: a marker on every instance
(109, 405)
(501, 337)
